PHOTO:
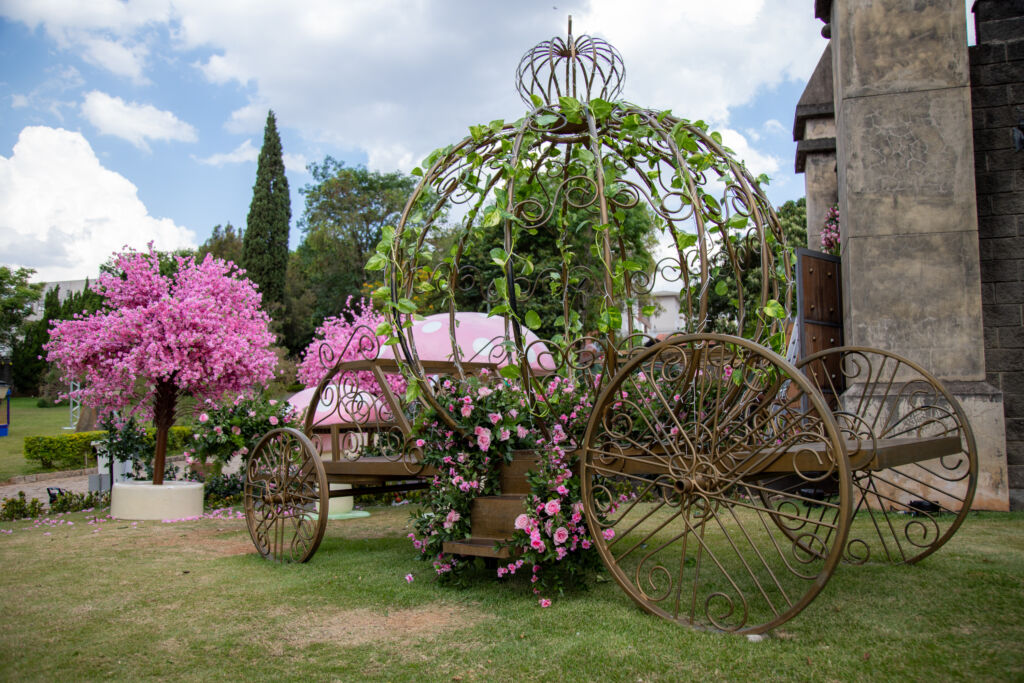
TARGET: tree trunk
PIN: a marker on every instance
(163, 419)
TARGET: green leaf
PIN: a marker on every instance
(601, 108)
(406, 306)
(416, 171)
(570, 105)
(376, 262)
(773, 309)
(492, 218)
(496, 125)
(412, 392)
(686, 239)
(500, 309)
(537, 101)
(383, 330)
(477, 132)
(510, 372)
(721, 288)
(499, 256)
(648, 311)
(737, 222)
(532, 320)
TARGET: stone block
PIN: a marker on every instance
(1009, 293)
(995, 226)
(1015, 93)
(993, 270)
(992, 138)
(1001, 315)
(1013, 406)
(1009, 203)
(988, 296)
(1000, 30)
(1015, 429)
(1018, 185)
(1003, 160)
(907, 162)
(1015, 50)
(987, 10)
(1006, 247)
(992, 117)
(918, 296)
(990, 96)
(1013, 382)
(897, 47)
(982, 55)
(994, 74)
(995, 379)
(1015, 475)
(1011, 337)
(1004, 360)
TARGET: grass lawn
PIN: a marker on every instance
(27, 419)
(192, 601)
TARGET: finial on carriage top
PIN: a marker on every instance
(581, 67)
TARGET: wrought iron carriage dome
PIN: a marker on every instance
(579, 154)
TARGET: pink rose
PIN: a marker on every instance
(494, 418)
(420, 443)
(203, 417)
(522, 522)
(537, 545)
(236, 430)
(552, 507)
(521, 432)
(273, 419)
(483, 437)
(467, 409)
(560, 536)
(408, 578)
(562, 491)
(484, 391)
(544, 602)
(608, 534)
(505, 434)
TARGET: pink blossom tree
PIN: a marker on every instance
(350, 336)
(197, 332)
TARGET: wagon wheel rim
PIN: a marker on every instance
(286, 496)
(729, 457)
(890, 381)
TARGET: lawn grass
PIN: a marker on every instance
(192, 601)
(28, 419)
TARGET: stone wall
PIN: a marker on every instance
(997, 98)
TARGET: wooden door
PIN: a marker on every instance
(820, 313)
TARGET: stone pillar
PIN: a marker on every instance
(905, 163)
(814, 130)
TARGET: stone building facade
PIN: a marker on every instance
(997, 108)
(919, 268)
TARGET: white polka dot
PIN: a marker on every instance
(531, 356)
(482, 345)
(431, 327)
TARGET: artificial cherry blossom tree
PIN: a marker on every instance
(197, 332)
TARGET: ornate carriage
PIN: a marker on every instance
(722, 483)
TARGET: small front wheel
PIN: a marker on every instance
(286, 496)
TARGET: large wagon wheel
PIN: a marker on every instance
(696, 471)
(286, 496)
(911, 509)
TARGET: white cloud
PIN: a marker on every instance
(117, 58)
(133, 122)
(244, 153)
(63, 213)
(774, 126)
(756, 162)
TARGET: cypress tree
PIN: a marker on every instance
(265, 247)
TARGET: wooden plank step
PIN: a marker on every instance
(513, 475)
(477, 547)
(494, 516)
(383, 468)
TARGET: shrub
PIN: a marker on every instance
(70, 501)
(223, 490)
(19, 508)
(72, 451)
(66, 451)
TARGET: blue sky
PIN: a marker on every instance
(122, 123)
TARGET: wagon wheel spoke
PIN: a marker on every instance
(701, 466)
(907, 512)
(286, 496)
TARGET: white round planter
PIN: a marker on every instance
(143, 500)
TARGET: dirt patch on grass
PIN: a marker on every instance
(365, 627)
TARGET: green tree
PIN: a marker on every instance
(346, 209)
(721, 303)
(266, 233)
(16, 298)
(224, 243)
(29, 365)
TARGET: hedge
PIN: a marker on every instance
(74, 451)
